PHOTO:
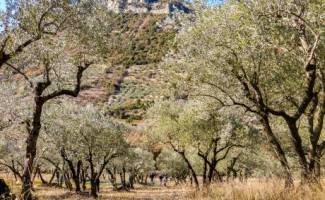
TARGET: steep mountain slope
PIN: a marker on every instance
(124, 86)
(148, 6)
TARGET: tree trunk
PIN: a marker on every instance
(113, 178)
(317, 169)
(94, 187)
(279, 152)
(306, 175)
(204, 176)
(76, 177)
(83, 178)
(146, 179)
(53, 176)
(67, 181)
(31, 150)
(39, 172)
(131, 180)
(14, 167)
(196, 182)
(124, 173)
(60, 178)
(93, 178)
(210, 172)
(75, 173)
(122, 177)
(27, 184)
(95, 175)
(314, 169)
(34, 128)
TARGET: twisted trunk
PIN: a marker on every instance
(34, 128)
(75, 172)
(189, 165)
(279, 152)
(31, 149)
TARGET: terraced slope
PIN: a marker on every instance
(133, 66)
(123, 85)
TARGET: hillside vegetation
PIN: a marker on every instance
(215, 101)
(137, 44)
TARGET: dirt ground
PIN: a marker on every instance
(252, 189)
(140, 192)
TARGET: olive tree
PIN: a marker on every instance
(191, 125)
(166, 126)
(53, 52)
(140, 163)
(84, 136)
(266, 58)
(25, 22)
(173, 165)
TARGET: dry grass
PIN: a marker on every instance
(260, 189)
(253, 189)
(140, 193)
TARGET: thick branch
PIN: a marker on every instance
(228, 150)
(21, 73)
(15, 171)
(73, 92)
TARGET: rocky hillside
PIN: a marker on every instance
(124, 86)
(147, 6)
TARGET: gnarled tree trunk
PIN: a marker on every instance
(34, 128)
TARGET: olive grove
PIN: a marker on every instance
(264, 58)
(90, 103)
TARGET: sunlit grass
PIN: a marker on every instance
(260, 189)
(253, 189)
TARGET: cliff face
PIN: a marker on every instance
(147, 6)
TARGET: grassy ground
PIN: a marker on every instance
(253, 189)
(143, 193)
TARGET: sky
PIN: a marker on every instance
(2, 4)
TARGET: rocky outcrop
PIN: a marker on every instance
(148, 6)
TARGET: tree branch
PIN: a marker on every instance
(228, 150)
(21, 73)
(73, 92)
(12, 169)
